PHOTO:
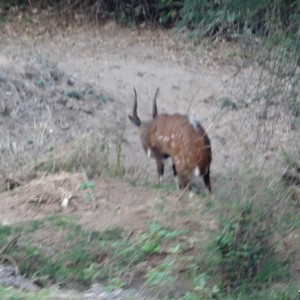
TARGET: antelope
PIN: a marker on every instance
(177, 136)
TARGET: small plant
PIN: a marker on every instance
(169, 11)
(161, 275)
(245, 247)
(78, 95)
(115, 283)
(201, 288)
(90, 186)
(118, 169)
(87, 185)
(40, 83)
(60, 221)
(101, 99)
(228, 103)
(153, 241)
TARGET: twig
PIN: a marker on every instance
(4, 257)
(7, 257)
(128, 236)
(94, 204)
(192, 99)
(10, 243)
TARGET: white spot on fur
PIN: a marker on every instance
(163, 138)
(149, 152)
(197, 171)
(193, 122)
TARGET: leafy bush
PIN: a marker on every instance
(230, 18)
(245, 246)
(223, 17)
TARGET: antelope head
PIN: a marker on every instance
(143, 126)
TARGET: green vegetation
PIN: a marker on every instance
(9, 293)
(78, 95)
(90, 186)
(223, 18)
(85, 256)
(244, 257)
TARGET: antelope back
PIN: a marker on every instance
(182, 138)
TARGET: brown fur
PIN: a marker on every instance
(181, 138)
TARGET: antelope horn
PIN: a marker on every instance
(135, 119)
(154, 113)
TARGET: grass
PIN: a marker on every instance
(85, 256)
(243, 257)
(10, 293)
(89, 154)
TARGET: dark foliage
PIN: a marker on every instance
(218, 17)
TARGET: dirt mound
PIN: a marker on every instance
(47, 194)
(56, 193)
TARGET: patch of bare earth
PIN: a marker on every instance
(116, 204)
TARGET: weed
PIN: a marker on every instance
(118, 169)
(5, 232)
(61, 221)
(51, 148)
(34, 225)
(101, 99)
(228, 103)
(90, 186)
(40, 83)
(115, 283)
(244, 246)
(160, 232)
(11, 293)
(78, 95)
(110, 234)
(201, 288)
(161, 275)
